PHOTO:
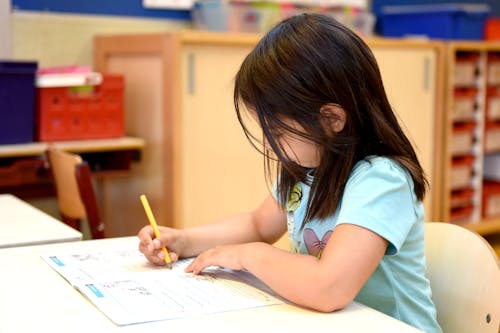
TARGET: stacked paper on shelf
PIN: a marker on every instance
(67, 76)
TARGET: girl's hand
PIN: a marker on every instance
(225, 256)
(150, 246)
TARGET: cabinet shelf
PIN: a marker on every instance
(23, 171)
(473, 65)
(485, 227)
(74, 146)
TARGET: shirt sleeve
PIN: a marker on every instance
(379, 197)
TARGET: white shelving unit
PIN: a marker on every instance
(473, 127)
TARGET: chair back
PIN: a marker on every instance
(464, 274)
(75, 192)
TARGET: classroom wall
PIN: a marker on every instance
(64, 39)
(5, 45)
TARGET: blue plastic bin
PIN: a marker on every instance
(439, 21)
(17, 101)
(211, 15)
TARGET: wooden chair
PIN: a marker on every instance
(464, 274)
(75, 192)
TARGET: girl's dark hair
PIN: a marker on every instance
(303, 63)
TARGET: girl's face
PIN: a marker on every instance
(298, 149)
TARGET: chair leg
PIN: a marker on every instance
(72, 222)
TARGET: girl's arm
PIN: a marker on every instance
(265, 224)
(325, 284)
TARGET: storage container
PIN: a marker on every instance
(491, 199)
(461, 172)
(461, 214)
(466, 70)
(17, 96)
(492, 29)
(462, 139)
(465, 104)
(260, 16)
(441, 21)
(253, 17)
(493, 104)
(492, 137)
(493, 69)
(462, 198)
(76, 113)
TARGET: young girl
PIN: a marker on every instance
(349, 188)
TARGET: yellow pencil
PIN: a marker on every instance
(152, 221)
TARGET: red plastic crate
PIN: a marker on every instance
(465, 104)
(69, 113)
(493, 69)
(461, 172)
(462, 198)
(466, 69)
(463, 138)
(492, 137)
(492, 28)
(461, 214)
(493, 104)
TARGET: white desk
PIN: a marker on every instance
(35, 298)
(22, 224)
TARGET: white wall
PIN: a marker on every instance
(66, 39)
(5, 39)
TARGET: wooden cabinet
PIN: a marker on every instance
(197, 164)
(471, 195)
(220, 172)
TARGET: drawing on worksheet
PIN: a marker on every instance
(130, 290)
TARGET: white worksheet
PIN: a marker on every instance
(129, 290)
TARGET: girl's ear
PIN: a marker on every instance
(333, 117)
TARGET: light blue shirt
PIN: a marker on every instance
(378, 196)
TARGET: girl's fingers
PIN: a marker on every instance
(158, 257)
(145, 235)
(193, 268)
(199, 263)
(151, 246)
(157, 244)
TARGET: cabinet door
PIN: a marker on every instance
(409, 76)
(122, 210)
(221, 173)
